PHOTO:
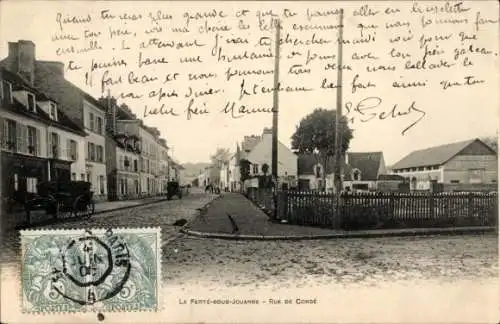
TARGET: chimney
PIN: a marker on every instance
(22, 59)
(55, 67)
(267, 133)
(110, 104)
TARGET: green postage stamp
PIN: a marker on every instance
(85, 270)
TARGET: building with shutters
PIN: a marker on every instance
(83, 110)
(38, 141)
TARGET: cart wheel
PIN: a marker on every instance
(83, 207)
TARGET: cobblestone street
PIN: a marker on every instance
(161, 214)
(297, 264)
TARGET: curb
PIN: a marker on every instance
(357, 234)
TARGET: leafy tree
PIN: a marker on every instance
(315, 135)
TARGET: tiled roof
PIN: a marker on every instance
(306, 163)
(436, 155)
(248, 144)
(366, 162)
(19, 83)
(41, 67)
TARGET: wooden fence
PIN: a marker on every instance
(388, 210)
(263, 197)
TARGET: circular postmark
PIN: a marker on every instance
(93, 268)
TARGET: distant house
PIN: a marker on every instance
(364, 170)
(310, 172)
(462, 165)
(360, 171)
(257, 151)
(233, 172)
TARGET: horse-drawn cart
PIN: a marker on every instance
(62, 200)
(173, 189)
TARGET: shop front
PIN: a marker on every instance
(21, 174)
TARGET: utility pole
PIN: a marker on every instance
(274, 155)
(274, 167)
(338, 122)
(336, 222)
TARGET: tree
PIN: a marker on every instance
(315, 135)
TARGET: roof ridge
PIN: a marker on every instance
(446, 144)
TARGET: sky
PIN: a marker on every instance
(458, 113)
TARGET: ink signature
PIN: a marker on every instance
(370, 108)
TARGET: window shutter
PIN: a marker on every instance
(75, 145)
(68, 149)
(3, 132)
(20, 139)
(49, 145)
(38, 142)
(26, 138)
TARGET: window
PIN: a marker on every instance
(31, 102)
(99, 153)
(476, 175)
(455, 181)
(32, 140)
(53, 111)
(54, 145)
(7, 91)
(317, 171)
(99, 125)
(16, 182)
(255, 168)
(31, 184)
(101, 184)
(91, 121)
(72, 150)
(82, 176)
(73, 176)
(92, 152)
(356, 175)
(135, 166)
(120, 163)
(9, 136)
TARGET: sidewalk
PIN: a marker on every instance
(105, 206)
(254, 224)
(16, 218)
